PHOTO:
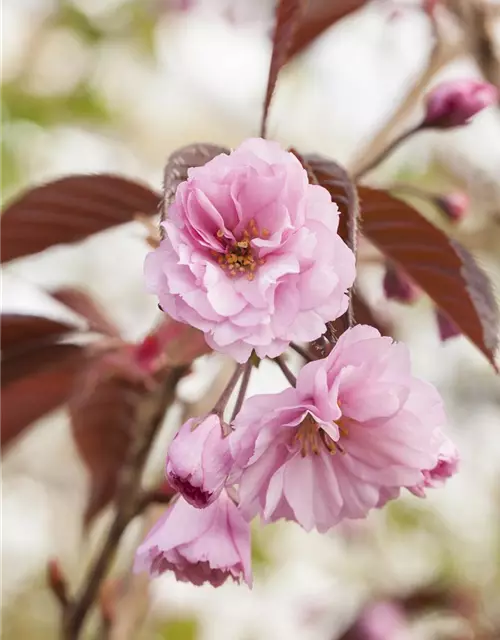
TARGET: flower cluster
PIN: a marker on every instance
(252, 258)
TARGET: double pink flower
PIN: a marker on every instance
(357, 428)
(252, 256)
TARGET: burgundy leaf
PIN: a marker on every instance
(438, 265)
(84, 305)
(103, 415)
(22, 362)
(288, 16)
(178, 164)
(28, 398)
(319, 16)
(69, 210)
(21, 330)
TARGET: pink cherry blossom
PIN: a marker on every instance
(357, 427)
(446, 466)
(198, 545)
(199, 460)
(455, 102)
(251, 255)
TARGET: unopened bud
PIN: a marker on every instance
(447, 329)
(454, 103)
(429, 6)
(397, 286)
(454, 205)
(383, 620)
(147, 352)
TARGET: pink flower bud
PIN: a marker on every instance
(397, 286)
(199, 545)
(429, 6)
(382, 621)
(453, 103)
(454, 205)
(199, 460)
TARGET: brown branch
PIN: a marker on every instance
(129, 492)
(148, 498)
(475, 17)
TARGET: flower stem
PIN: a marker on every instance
(221, 403)
(243, 388)
(286, 371)
(302, 352)
(385, 153)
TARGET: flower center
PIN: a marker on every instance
(311, 437)
(238, 257)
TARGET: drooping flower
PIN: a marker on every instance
(251, 255)
(357, 427)
(199, 460)
(198, 545)
(455, 102)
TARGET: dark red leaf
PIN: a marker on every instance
(176, 169)
(21, 330)
(102, 419)
(69, 210)
(288, 17)
(22, 362)
(438, 265)
(29, 398)
(320, 15)
(84, 305)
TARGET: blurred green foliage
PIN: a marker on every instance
(132, 22)
(179, 629)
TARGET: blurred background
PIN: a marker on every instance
(115, 86)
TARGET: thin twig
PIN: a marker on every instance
(284, 367)
(243, 389)
(385, 153)
(221, 403)
(150, 420)
(302, 352)
(147, 498)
